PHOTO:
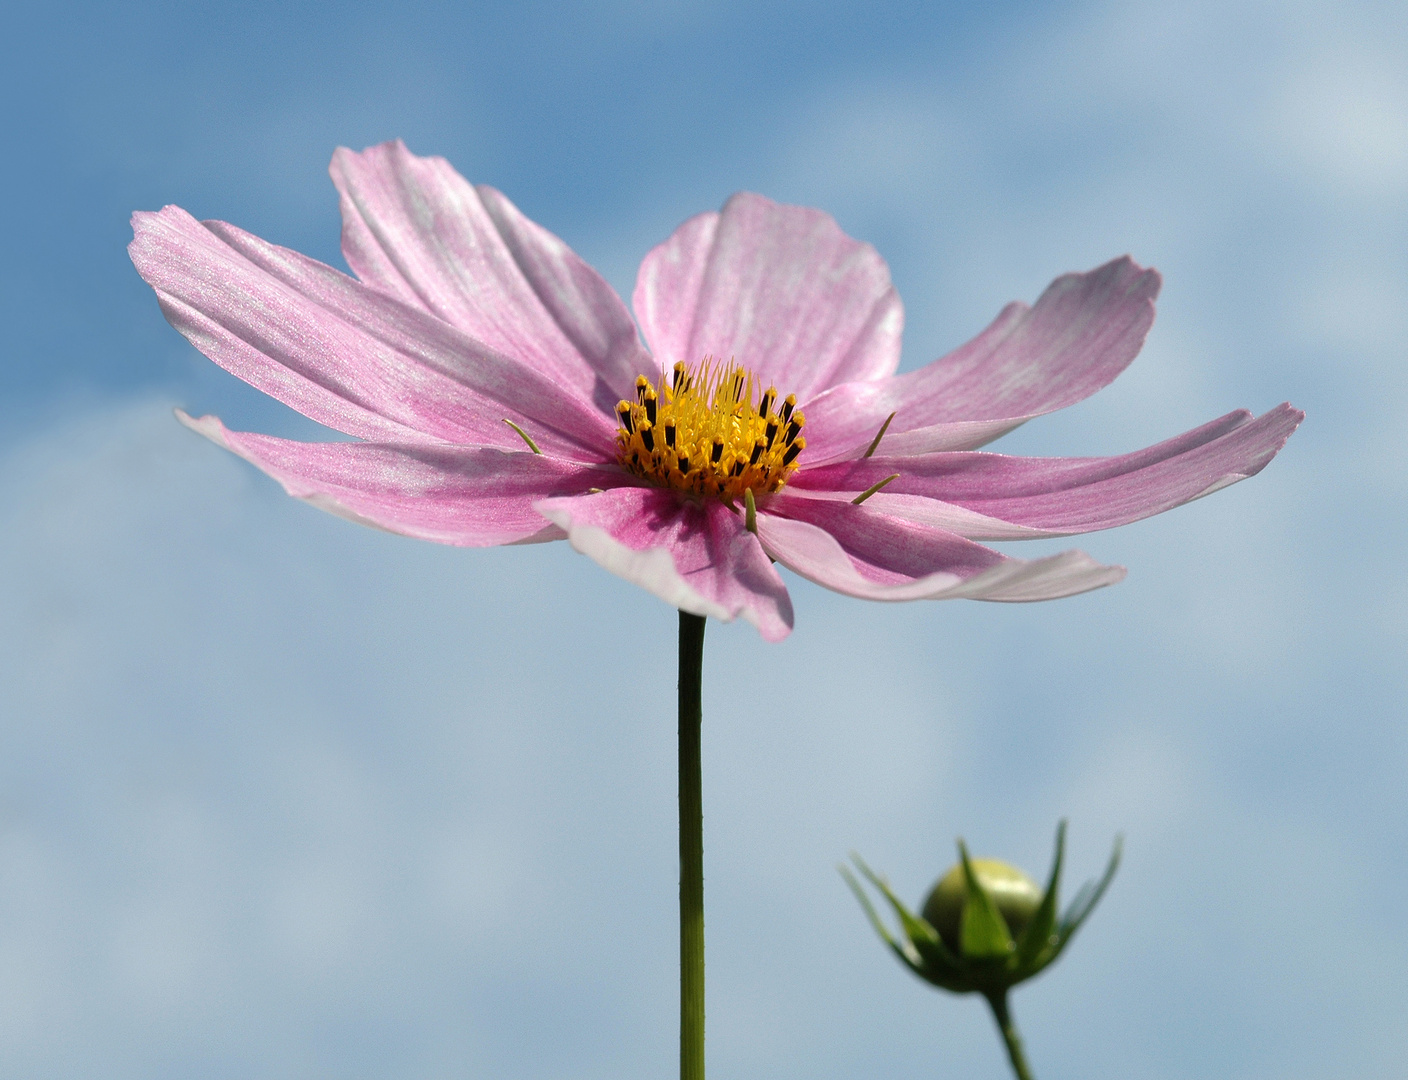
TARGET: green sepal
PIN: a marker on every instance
(1039, 937)
(878, 924)
(1085, 901)
(927, 956)
(983, 933)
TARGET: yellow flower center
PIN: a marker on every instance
(700, 430)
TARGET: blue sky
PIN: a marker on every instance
(284, 797)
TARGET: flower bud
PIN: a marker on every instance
(1015, 896)
(985, 926)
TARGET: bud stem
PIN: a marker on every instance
(691, 711)
(1010, 1037)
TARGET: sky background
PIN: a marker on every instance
(282, 797)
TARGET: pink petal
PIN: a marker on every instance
(343, 353)
(876, 557)
(416, 229)
(471, 497)
(1082, 332)
(781, 289)
(696, 557)
(996, 497)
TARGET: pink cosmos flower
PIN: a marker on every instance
(501, 395)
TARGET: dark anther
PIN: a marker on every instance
(737, 469)
(679, 374)
(792, 430)
(623, 410)
(788, 406)
(650, 403)
(758, 449)
(647, 436)
(717, 453)
(765, 406)
(792, 452)
(684, 465)
(642, 385)
(670, 434)
(772, 432)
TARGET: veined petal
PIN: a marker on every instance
(823, 447)
(931, 513)
(1081, 333)
(997, 497)
(696, 557)
(471, 497)
(858, 552)
(780, 289)
(414, 228)
(343, 353)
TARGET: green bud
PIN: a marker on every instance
(1015, 896)
(985, 926)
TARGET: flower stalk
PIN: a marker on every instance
(691, 712)
(1010, 1038)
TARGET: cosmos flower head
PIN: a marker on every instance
(748, 416)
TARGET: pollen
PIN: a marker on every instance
(710, 430)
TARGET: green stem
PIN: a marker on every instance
(691, 850)
(1010, 1037)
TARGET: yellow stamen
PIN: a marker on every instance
(873, 488)
(879, 435)
(711, 431)
(524, 436)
